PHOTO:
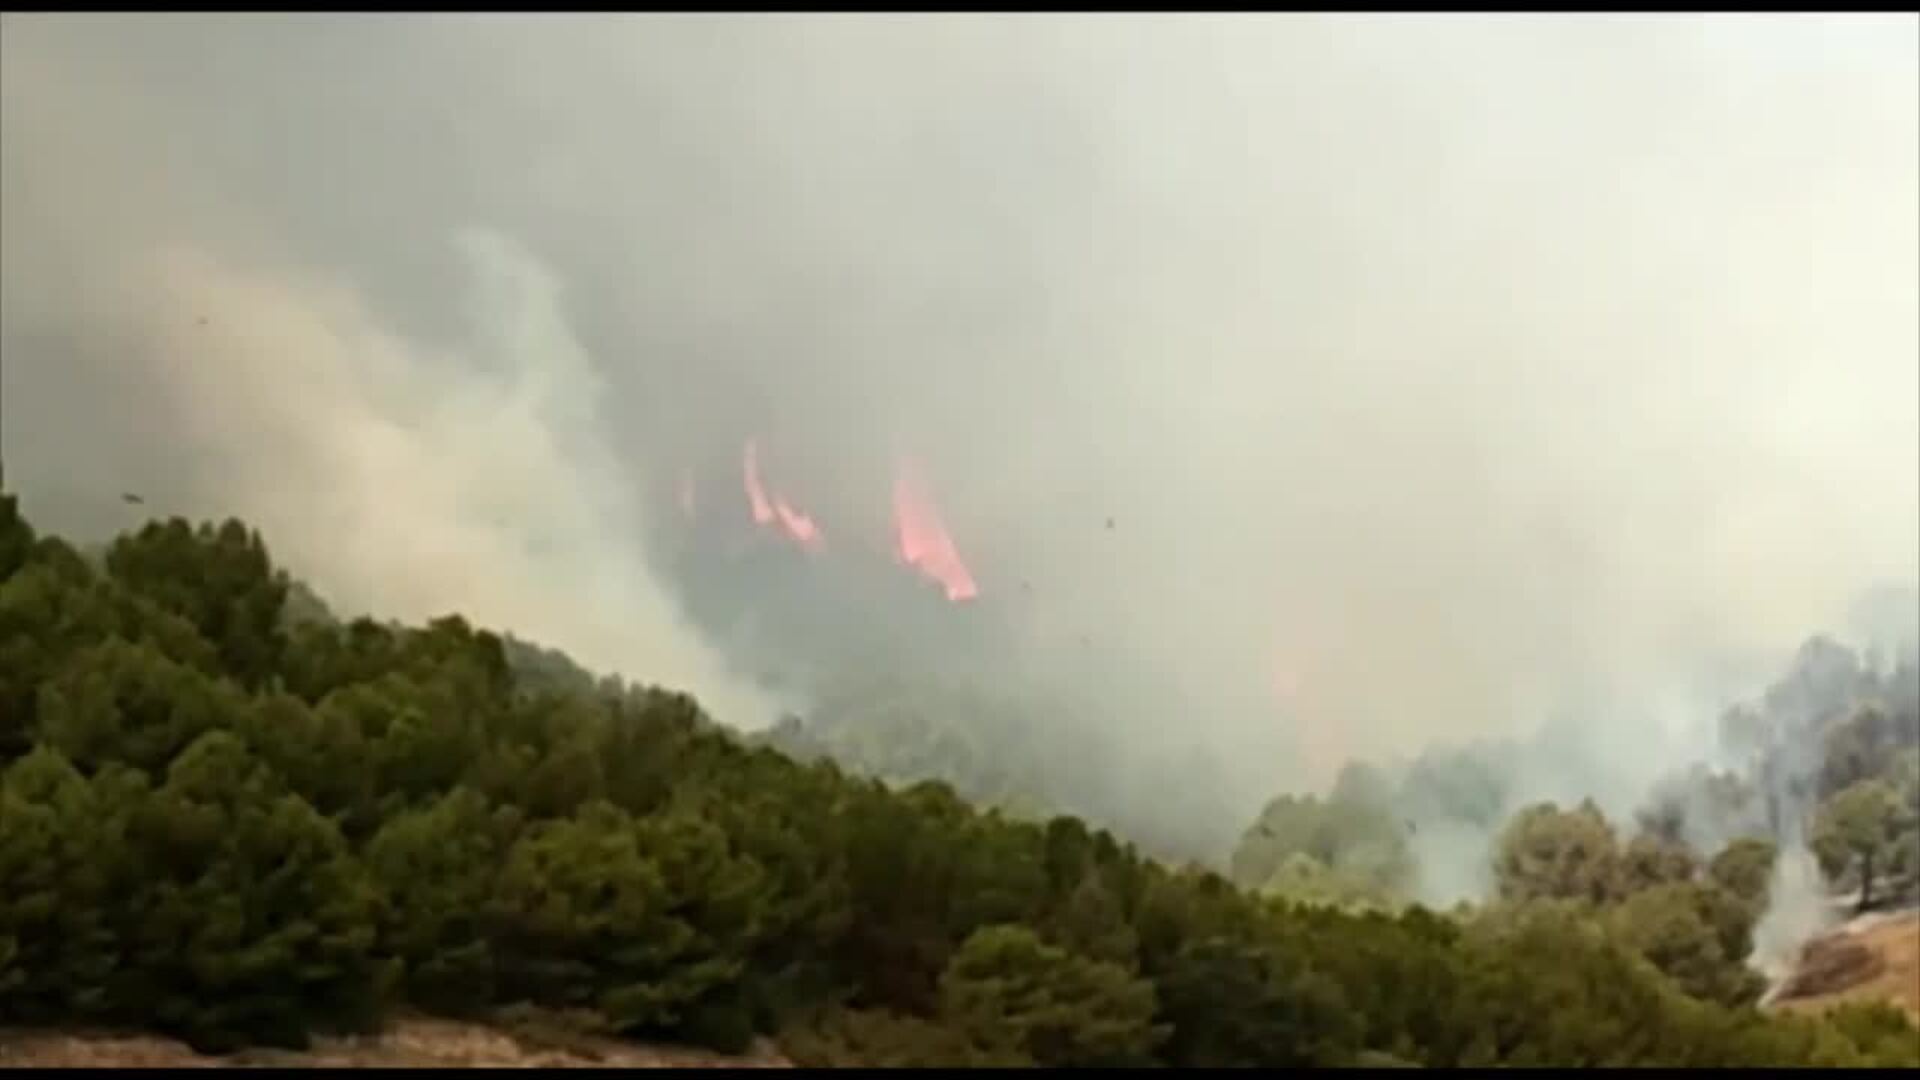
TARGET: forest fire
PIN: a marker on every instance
(921, 537)
(756, 494)
(796, 524)
(776, 510)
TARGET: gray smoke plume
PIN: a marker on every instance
(1438, 377)
(1798, 909)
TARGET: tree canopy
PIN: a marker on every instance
(243, 824)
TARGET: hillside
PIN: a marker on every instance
(242, 830)
(1875, 958)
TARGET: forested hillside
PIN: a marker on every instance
(1826, 763)
(241, 827)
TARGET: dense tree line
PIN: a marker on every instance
(1833, 753)
(241, 824)
(1829, 753)
(1691, 918)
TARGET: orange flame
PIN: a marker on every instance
(756, 495)
(797, 525)
(776, 510)
(922, 538)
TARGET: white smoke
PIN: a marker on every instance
(1457, 362)
(407, 482)
(1798, 909)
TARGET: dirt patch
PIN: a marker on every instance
(411, 1043)
(1830, 965)
(1873, 959)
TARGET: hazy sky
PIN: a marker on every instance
(1450, 367)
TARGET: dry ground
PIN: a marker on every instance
(409, 1043)
(1876, 957)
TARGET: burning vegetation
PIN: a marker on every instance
(921, 541)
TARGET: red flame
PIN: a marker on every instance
(797, 525)
(922, 538)
(756, 495)
(776, 510)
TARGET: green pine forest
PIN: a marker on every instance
(230, 818)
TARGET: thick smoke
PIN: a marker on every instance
(1454, 375)
(1798, 909)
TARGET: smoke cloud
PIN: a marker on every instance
(1315, 387)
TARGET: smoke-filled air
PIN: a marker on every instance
(1140, 417)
